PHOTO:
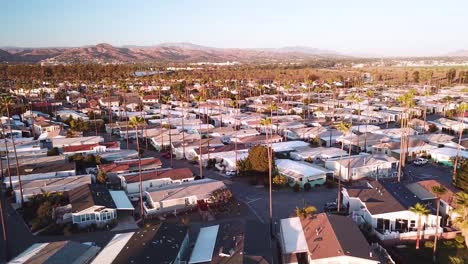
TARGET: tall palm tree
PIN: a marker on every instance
(137, 121)
(461, 221)
(4, 227)
(350, 146)
(200, 99)
(7, 153)
(124, 89)
(369, 95)
(7, 102)
(461, 110)
(344, 129)
(267, 123)
(356, 99)
(183, 122)
(420, 210)
(426, 93)
(407, 101)
(438, 191)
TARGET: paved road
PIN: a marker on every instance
(256, 198)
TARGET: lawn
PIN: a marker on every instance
(407, 253)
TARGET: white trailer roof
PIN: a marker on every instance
(121, 200)
(298, 169)
(113, 248)
(204, 246)
(293, 237)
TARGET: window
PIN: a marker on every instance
(76, 219)
(93, 216)
(88, 217)
(83, 218)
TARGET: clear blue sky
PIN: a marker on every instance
(379, 27)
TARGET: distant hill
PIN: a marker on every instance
(458, 53)
(166, 52)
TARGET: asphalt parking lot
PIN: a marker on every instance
(429, 171)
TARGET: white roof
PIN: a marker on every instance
(29, 253)
(451, 152)
(121, 200)
(293, 237)
(288, 145)
(298, 169)
(204, 246)
(113, 248)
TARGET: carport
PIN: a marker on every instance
(123, 204)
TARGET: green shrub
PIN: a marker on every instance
(448, 243)
(53, 152)
(429, 244)
(456, 260)
(280, 180)
(460, 239)
(307, 187)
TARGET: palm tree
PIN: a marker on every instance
(356, 99)
(426, 93)
(461, 110)
(7, 153)
(344, 129)
(461, 221)
(350, 147)
(4, 228)
(369, 94)
(7, 102)
(136, 121)
(124, 90)
(200, 99)
(438, 191)
(407, 101)
(420, 210)
(267, 123)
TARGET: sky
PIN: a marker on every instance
(359, 27)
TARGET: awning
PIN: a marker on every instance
(121, 200)
(113, 248)
(293, 236)
(204, 247)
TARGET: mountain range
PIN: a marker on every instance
(167, 52)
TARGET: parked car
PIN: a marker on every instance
(333, 207)
(420, 161)
(231, 173)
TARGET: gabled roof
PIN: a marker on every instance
(57, 252)
(377, 199)
(330, 235)
(89, 195)
(365, 160)
(173, 174)
(129, 165)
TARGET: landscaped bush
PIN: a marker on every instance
(53, 152)
(280, 181)
(429, 244)
(307, 187)
(460, 239)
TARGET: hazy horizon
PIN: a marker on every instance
(363, 27)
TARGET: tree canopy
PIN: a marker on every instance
(256, 162)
